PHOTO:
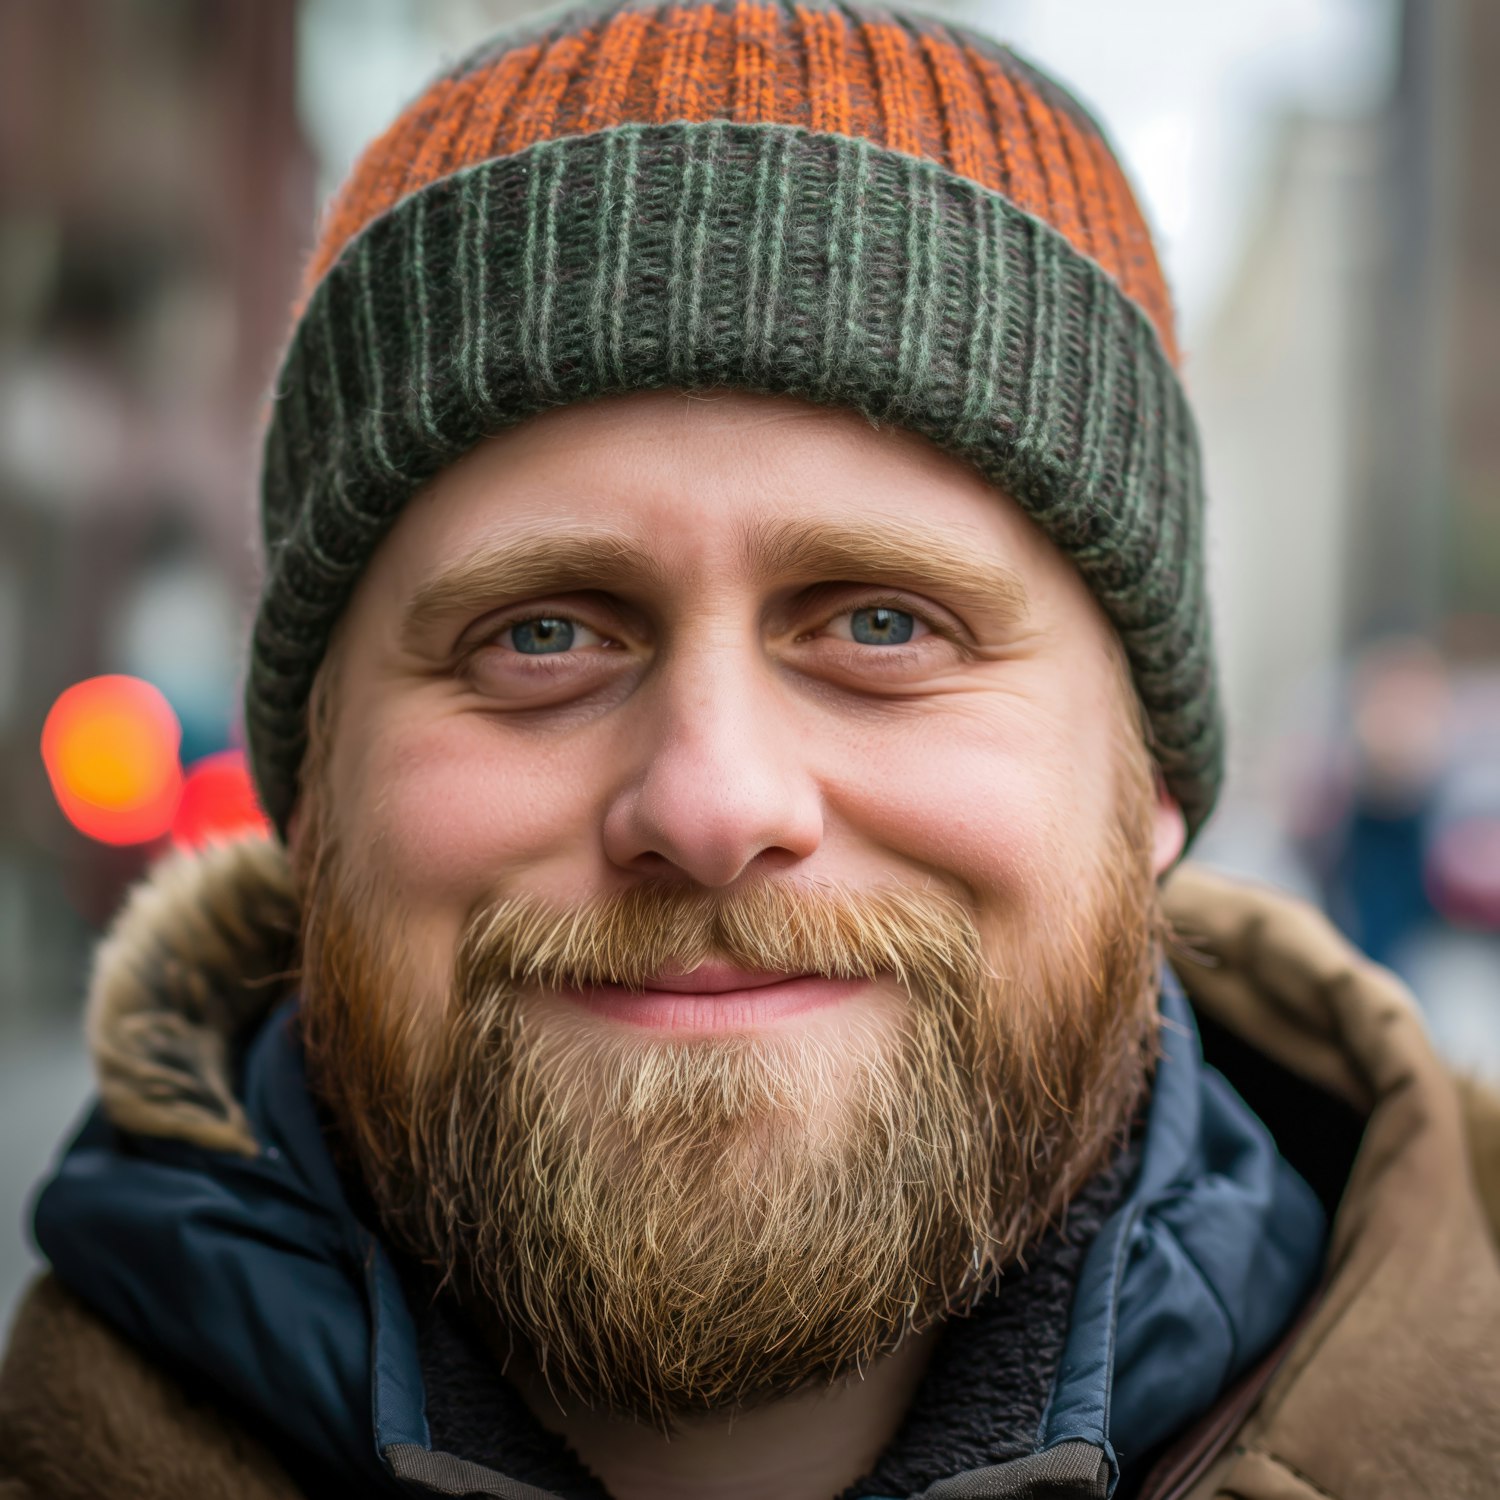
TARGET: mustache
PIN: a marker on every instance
(926, 938)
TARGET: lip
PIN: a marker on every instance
(714, 997)
(713, 978)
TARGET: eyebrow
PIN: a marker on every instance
(540, 562)
(537, 562)
(887, 552)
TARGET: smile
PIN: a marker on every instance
(714, 997)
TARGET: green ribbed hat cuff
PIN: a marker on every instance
(764, 257)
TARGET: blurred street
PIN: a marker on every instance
(44, 1083)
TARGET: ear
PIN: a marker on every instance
(1169, 828)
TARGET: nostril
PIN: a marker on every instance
(777, 858)
(650, 859)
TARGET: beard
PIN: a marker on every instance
(668, 1227)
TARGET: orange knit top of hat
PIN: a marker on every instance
(911, 84)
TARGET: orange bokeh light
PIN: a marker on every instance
(110, 746)
(218, 802)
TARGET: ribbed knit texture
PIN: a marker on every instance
(908, 83)
(841, 204)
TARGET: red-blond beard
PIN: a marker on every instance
(670, 1227)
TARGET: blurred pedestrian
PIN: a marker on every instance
(1399, 722)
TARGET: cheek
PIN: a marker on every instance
(448, 803)
(1011, 795)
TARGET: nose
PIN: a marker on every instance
(720, 788)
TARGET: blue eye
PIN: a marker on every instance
(881, 626)
(542, 637)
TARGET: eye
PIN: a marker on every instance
(878, 625)
(547, 635)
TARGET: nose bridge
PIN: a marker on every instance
(721, 782)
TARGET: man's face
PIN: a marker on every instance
(729, 858)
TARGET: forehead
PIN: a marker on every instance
(708, 482)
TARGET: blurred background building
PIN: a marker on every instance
(1321, 175)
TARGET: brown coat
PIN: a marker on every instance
(1388, 1389)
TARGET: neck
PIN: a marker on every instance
(809, 1446)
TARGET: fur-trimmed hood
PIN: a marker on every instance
(198, 955)
(1392, 1386)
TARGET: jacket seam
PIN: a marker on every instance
(1298, 1474)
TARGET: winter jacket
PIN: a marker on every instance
(220, 1322)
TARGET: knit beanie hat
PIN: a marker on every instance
(854, 205)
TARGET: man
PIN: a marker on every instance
(732, 680)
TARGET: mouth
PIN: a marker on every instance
(714, 997)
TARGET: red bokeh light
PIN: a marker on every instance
(218, 802)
